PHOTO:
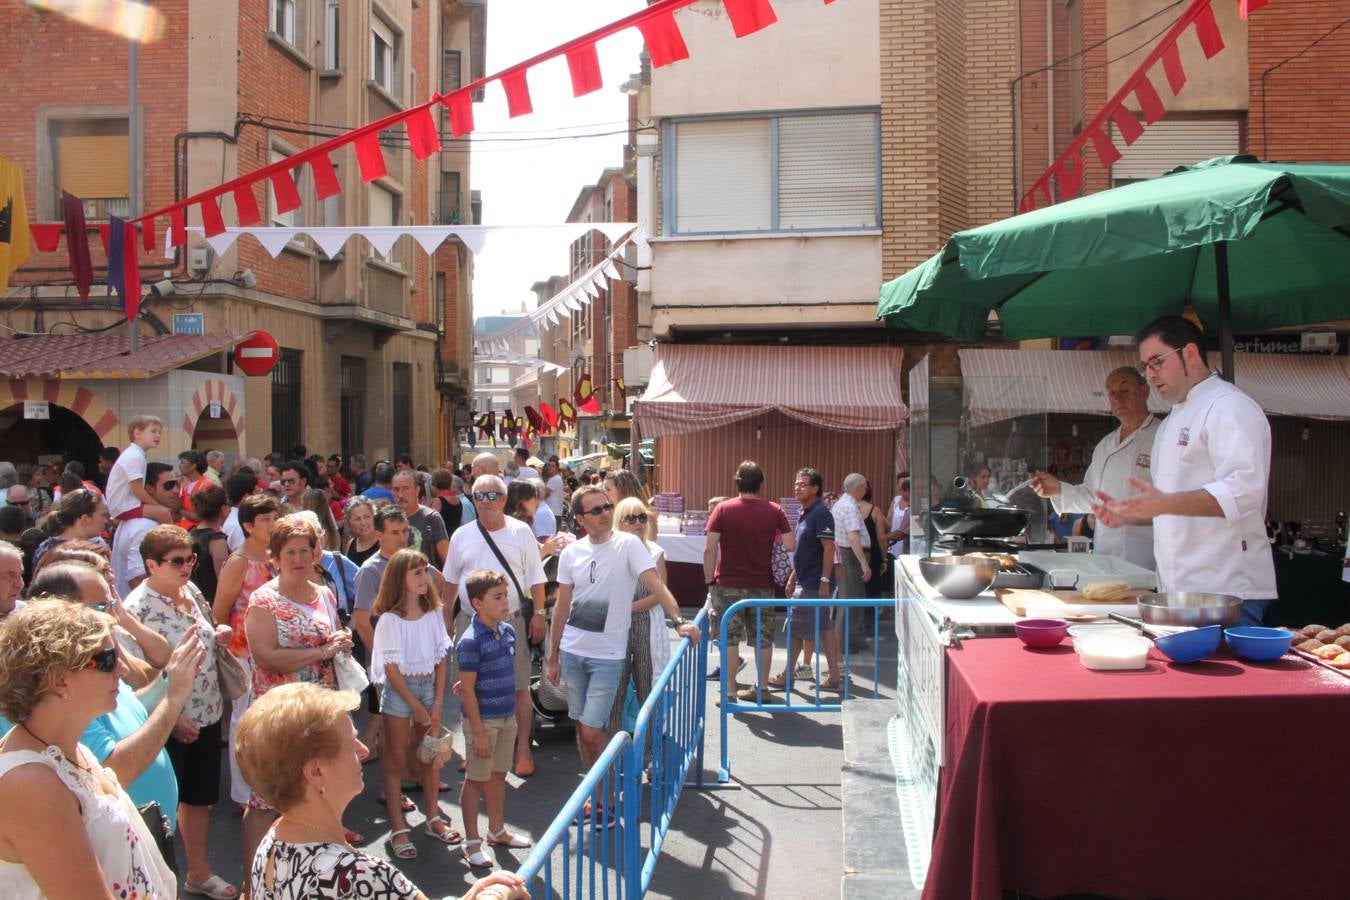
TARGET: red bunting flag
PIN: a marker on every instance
(131, 270)
(369, 157)
(1247, 7)
(325, 177)
(584, 395)
(1176, 75)
(177, 227)
(1107, 153)
(246, 206)
(584, 66)
(148, 236)
(1207, 30)
(550, 416)
(460, 104)
(1149, 101)
(536, 421)
(283, 190)
(422, 137)
(664, 42)
(749, 16)
(1127, 125)
(1070, 176)
(517, 93)
(211, 219)
(46, 236)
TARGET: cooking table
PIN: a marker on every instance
(1217, 779)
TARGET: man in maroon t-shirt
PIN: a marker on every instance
(744, 530)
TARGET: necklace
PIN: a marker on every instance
(46, 743)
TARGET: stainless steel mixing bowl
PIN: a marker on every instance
(1190, 608)
(959, 577)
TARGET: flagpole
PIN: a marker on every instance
(133, 178)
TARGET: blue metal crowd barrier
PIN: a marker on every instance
(731, 706)
(606, 856)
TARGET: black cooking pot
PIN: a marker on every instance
(981, 522)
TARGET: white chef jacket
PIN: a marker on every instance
(1218, 440)
(1114, 463)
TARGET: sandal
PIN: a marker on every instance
(515, 842)
(478, 858)
(448, 836)
(355, 838)
(779, 680)
(215, 887)
(405, 850)
(404, 801)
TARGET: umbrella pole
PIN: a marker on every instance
(1225, 309)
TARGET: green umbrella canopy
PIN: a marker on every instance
(1110, 262)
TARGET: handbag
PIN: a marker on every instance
(351, 675)
(157, 824)
(234, 681)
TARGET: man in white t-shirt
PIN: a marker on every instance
(128, 566)
(597, 579)
(554, 488)
(523, 463)
(469, 552)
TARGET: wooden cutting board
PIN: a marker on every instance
(1061, 604)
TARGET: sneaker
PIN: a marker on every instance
(716, 674)
(803, 672)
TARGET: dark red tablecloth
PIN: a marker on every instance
(1220, 779)
(685, 581)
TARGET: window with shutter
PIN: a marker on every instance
(722, 176)
(91, 161)
(1174, 142)
(827, 172)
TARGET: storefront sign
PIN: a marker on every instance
(37, 409)
(189, 323)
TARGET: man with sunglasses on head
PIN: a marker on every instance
(1211, 468)
(597, 580)
(128, 567)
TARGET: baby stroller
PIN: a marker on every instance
(549, 700)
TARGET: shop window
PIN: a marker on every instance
(286, 409)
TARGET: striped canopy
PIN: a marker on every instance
(694, 387)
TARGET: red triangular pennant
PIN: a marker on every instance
(749, 16)
(1247, 7)
(1106, 151)
(550, 415)
(131, 271)
(664, 42)
(177, 227)
(369, 157)
(517, 93)
(246, 206)
(1127, 125)
(1149, 101)
(1176, 75)
(460, 104)
(46, 236)
(211, 219)
(1070, 176)
(422, 136)
(148, 235)
(584, 65)
(325, 177)
(1207, 30)
(286, 197)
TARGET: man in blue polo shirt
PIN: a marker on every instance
(487, 675)
(811, 564)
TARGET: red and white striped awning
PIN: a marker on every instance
(1003, 384)
(694, 387)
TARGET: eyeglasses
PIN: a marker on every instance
(170, 485)
(597, 510)
(635, 519)
(289, 480)
(20, 502)
(104, 661)
(803, 485)
(1154, 363)
(179, 562)
(487, 496)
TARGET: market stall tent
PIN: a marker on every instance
(834, 408)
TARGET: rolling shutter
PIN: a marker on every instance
(92, 167)
(827, 171)
(1170, 143)
(722, 176)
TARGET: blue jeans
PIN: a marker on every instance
(423, 687)
(591, 687)
(1253, 611)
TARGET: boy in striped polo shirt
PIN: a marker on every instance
(488, 707)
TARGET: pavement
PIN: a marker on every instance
(775, 830)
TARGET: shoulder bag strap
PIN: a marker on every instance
(496, 551)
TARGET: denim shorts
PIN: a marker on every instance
(423, 687)
(591, 686)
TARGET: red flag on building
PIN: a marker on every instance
(584, 395)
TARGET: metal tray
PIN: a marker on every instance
(1021, 576)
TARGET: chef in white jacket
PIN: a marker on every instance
(1120, 457)
(1211, 467)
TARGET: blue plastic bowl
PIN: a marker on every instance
(1258, 644)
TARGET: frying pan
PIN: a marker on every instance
(1187, 646)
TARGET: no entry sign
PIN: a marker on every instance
(256, 354)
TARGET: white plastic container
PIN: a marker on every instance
(1080, 633)
(1109, 652)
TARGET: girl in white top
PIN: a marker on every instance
(408, 661)
(67, 829)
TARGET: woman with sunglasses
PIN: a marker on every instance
(522, 502)
(648, 641)
(67, 829)
(168, 602)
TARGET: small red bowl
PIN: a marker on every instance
(1042, 634)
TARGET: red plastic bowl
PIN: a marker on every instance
(1042, 633)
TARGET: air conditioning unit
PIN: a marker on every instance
(199, 260)
(1319, 342)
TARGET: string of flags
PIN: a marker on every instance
(535, 423)
(1064, 178)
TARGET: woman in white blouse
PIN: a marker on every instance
(168, 603)
(67, 829)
